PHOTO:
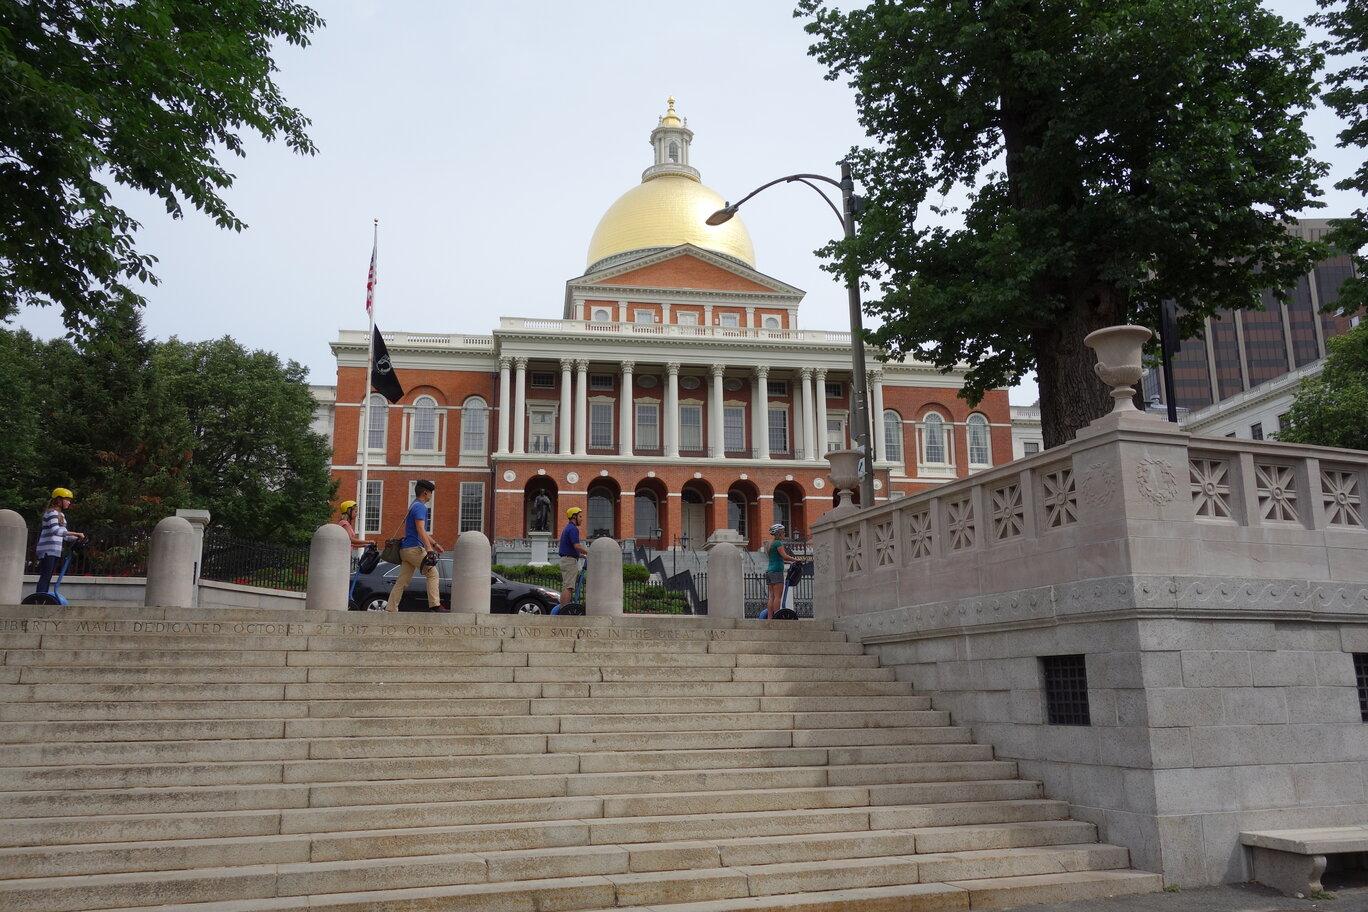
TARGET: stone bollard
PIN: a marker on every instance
(171, 565)
(13, 541)
(329, 568)
(604, 597)
(473, 557)
(726, 582)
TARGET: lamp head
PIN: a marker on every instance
(722, 215)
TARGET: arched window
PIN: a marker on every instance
(980, 454)
(474, 425)
(674, 151)
(647, 519)
(600, 512)
(736, 512)
(933, 439)
(375, 434)
(893, 436)
(425, 423)
(783, 510)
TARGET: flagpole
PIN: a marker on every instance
(370, 368)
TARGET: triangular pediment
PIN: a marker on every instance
(687, 268)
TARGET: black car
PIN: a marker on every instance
(371, 591)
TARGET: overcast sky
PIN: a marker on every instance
(489, 138)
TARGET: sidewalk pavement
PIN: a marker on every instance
(1231, 898)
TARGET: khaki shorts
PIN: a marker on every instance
(569, 572)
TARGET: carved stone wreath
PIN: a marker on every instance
(1156, 480)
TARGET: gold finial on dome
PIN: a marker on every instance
(671, 119)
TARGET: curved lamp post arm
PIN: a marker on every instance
(860, 405)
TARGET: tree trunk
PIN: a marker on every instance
(1071, 396)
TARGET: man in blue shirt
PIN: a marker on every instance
(570, 551)
(416, 546)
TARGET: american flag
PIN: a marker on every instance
(370, 279)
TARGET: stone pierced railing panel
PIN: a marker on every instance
(1147, 499)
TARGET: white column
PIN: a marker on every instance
(519, 416)
(626, 416)
(581, 407)
(707, 315)
(877, 417)
(808, 436)
(760, 413)
(566, 413)
(672, 409)
(505, 406)
(716, 447)
(819, 379)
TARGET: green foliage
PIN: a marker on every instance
(1113, 154)
(143, 94)
(547, 575)
(1332, 409)
(1346, 93)
(655, 600)
(109, 427)
(139, 429)
(256, 465)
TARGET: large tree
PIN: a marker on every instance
(1113, 153)
(256, 464)
(143, 93)
(1332, 409)
(1346, 93)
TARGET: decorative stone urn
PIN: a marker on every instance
(1118, 361)
(845, 475)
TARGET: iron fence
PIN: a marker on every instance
(234, 560)
(109, 551)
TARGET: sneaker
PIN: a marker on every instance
(443, 608)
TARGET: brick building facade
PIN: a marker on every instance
(675, 400)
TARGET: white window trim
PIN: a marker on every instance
(902, 437)
(553, 411)
(744, 426)
(944, 469)
(836, 415)
(410, 453)
(611, 404)
(461, 504)
(702, 424)
(987, 441)
(379, 500)
(477, 456)
(788, 428)
(636, 425)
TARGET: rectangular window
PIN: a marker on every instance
(1030, 447)
(648, 426)
(600, 381)
(688, 318)
(734, 428)
(1361, 677)
(375, 495)
(472, 506)
(778, 431)
(835, 433)
(542, 431)
(732, 320)
(543, 379)
(643, 316)
(777, 387)
(691, 427)
(375, 433)
(1256, 431)
(1066, 689)
(1283, 420)
(835, 390)
(601, 425)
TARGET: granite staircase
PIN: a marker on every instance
(223, 761)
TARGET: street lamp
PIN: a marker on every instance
(846, 214)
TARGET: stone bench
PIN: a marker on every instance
(1293, 860)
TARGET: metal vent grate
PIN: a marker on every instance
(1361, 676)
(1066, 689)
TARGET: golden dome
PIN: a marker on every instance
(667, 211)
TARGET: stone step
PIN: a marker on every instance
(630, 871)
(168, 674)
(887, 773)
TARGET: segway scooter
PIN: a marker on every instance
(54, 596)
(791, 578)
(576, 606)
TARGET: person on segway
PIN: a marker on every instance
(53, 536)
(778, 555)
(570, 551)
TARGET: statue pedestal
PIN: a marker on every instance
(541, 548)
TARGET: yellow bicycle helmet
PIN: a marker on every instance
(62, 492)
(572, 511)
(346, 505)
